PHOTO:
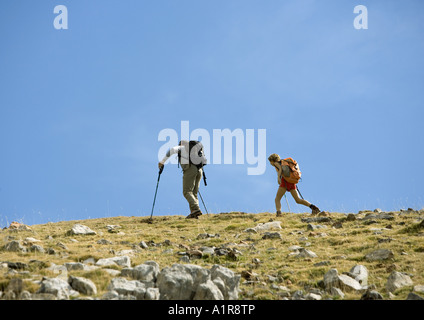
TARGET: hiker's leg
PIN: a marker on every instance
(280, 193)
(298, 200)
(197, 182)
(189, 183)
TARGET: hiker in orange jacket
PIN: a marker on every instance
(283, 171)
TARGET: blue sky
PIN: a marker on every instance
(81, 109)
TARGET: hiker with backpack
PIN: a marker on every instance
(288, 176)
(192, 160)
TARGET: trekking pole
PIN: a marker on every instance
(299, 192)
(157, 185)
(287, 203)
(203, 202)
(204, 177)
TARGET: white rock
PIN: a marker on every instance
(78, 266)
(128, 287)
(230, 279)
(419, 288)
(397, 280)
(361, 274)
(82, 285)
(58, 287)
(79, 229)
(336, 292)
(313, 296)
(123, 261)
(147, 273)
(188, 281)
(332, 279)
(274, 225)
(304, 253)
(208, 291)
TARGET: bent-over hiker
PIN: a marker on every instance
(288, 175)
(191, 158)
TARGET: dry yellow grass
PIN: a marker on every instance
(340, 248)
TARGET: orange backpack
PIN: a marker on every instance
(293, 174)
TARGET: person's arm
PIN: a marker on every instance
(169, 153)
(279, 172)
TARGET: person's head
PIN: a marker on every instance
(273, 158)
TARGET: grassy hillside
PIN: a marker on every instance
(268, 265)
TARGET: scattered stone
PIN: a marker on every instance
(25, 295)
(371, 295)
(271, 235)
(414, 296)
(195, 254)
(113, 228)
(146, 273)
(314, 227)
(234, 253)
(350, 217)
(316, 219)
(379, 216)
(207, 251)
(322, 263)
(36, 248)
(58, 287)
(397, 280)
(82, 285)
(380, 254)
(360, 274)
(187, 282)
(72, 266)
(30, 240)
(337, 225)
(298, 295)
(104, 241)
(16, 286)
(14, 246)
(62, 246)
(19, 226)
(419, 288)
(143, 245)
(324, 214)
(273, 225)
(79, 229)
(51, 251)
(336, 292)
(384, 240)
(248, 275)
(304, 253)
(123, 261)
(206, 236)
(342, 281)
(131, 289)
(185, 259)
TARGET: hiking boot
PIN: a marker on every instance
(315, 209)
(194, 215)
(279, 214)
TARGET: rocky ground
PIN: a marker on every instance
(370, 255)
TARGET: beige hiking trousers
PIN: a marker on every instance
(191, 182)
